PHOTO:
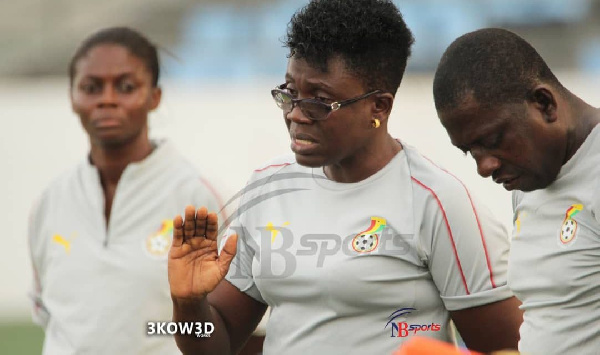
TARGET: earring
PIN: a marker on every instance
(375, 123)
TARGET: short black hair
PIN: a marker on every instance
(493, 65)
(370, 36)
(135, 42)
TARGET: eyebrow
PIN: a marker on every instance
(496, 130)
(289, 76)
(117, 77)
(314, 85)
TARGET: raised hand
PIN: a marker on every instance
(195, 268)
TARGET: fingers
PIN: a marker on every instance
(196, 224)
(189, 223)
(228, 252)
(201, 221)
(207, 224)
(212, 226)
(177, 231)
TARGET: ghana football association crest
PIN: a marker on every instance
(159, 243)
(569, 225)
(368, 240)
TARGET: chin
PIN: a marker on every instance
(115, 139)
(533, 184)
(310, 161)
(111, 142)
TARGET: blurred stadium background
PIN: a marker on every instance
(220, 58)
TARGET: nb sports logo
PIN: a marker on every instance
(402, 329)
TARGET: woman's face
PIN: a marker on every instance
(112, 93)
(346, 132)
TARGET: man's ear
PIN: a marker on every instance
(382, 105)
(543, 97)
(155, 98)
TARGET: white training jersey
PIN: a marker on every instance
(555, 258)
(358, 268)
(97, 286)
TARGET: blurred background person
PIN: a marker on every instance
(100, 233)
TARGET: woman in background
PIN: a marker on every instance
(100, 233)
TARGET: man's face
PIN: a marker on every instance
(112, 93)
(513, 143)
(345, 132)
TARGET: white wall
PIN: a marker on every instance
(225, 130)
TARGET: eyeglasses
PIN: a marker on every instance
(313, 109)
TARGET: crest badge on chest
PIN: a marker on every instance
(568, 229)
(368, 240)
(157, 245)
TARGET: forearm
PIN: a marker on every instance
(201, 311)
(491, 327)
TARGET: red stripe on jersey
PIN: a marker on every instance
(485, 250)
(271, 166)
(462, 274)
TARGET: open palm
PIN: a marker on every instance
(195, 267)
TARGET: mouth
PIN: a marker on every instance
(509, 183)
(106, 122)
(303, 143)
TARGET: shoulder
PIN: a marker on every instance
(168, 158)
(187, 182)
(433, 180)
(59, 190)
(276, 164)
(275, 174)
(280, 165)
(173, 165)
(66, 180)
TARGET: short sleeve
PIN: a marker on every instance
(595, 208)
(40, 315)
(466, 249)
(240, 271)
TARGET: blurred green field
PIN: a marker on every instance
(21, 339)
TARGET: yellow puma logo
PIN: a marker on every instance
(57, 238)
(520, 216)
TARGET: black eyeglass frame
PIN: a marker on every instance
(328, 108)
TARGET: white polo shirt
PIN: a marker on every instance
(555, 258)
(359, 267)
(98, 286)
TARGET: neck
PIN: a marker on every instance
(111, 161)
(584, 119)
(365, 162)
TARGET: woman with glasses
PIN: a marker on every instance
(356, 241)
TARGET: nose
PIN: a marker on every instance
(486, 163)
(296, 115)
(108, 97)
